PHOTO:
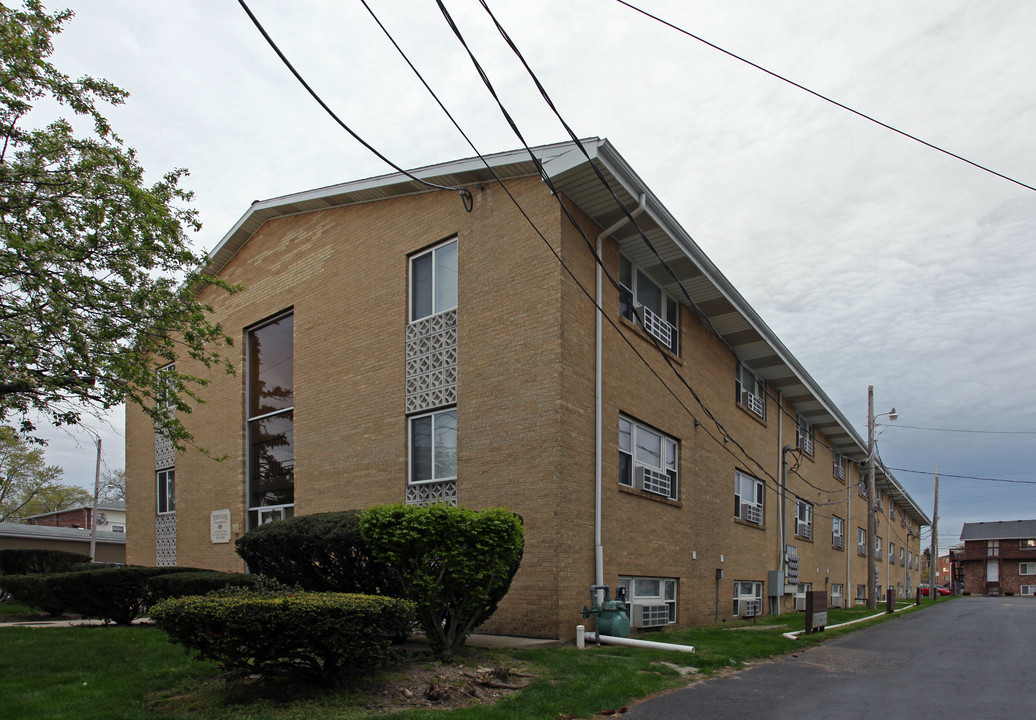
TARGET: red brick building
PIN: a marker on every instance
(1000, 557)
(110, 516)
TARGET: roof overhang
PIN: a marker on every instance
(568, 167)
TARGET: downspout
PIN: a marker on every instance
(846, 536)
(598, 399)
(780, 496)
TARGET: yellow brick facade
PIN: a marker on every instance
(525, 412)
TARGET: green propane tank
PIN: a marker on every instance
(610, 616)
(613, 620)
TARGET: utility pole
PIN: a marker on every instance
(872, 518)
(93, 514)
(935, 540)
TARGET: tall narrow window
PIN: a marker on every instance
(433, 446)
(166, 491)
(433, 281)
(748, 498)
(271, 437)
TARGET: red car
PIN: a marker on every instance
(939, 590)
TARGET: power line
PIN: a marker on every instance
(965, 477)
(981, 432)
(826, 98)
(464, 192)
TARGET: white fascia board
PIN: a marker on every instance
(608, 156)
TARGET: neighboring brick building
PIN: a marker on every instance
(1000, 557)
(467, 371)
(110, 516)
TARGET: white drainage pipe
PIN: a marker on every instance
(632, 642)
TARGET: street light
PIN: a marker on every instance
(872, 516)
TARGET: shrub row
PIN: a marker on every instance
(116, 594)
(23, 561)
(319, 552)
(323, 636)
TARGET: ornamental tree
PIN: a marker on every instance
(28, 486)
(98, 284)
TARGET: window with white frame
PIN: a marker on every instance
(993, 548)
(433, 281)
(433, 446)
(804, 436)
(750, 391)
(838, 466)
(861, 541)
(892, 552)
(118, 528)
(166, 491)
(648, 459)
(270, 424)
(748, 498)
(644, 301)
(892, 511)
(804, 519)
(877, 546)
(748, 598)
(1027, 568)
(880, 500)
(1028, 590)
(1029, 544)
(650, 591)
(837, 532)
(837, 594)
(901, 557)
(861, 592)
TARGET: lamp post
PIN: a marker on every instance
(872, 505)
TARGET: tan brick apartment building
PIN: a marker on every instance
(999, 557)
(394, 347)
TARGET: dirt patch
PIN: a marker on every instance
(446, 686)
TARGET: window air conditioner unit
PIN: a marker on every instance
(800, 603)
(753, 402)
(836, 601)
(647, 616)
(652, 481)
(752, 513)
(750, 608)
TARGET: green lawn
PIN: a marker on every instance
(111, 673)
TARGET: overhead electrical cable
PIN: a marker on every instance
(825, 98)
(543, 174)
(464, 192)
(980, 432)
(628, 214)
(965, 477)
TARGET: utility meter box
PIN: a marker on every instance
(775, 583)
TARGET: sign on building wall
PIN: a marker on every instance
(219, 532)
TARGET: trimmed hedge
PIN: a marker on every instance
(116, 594)
(199, 583)
(320, 552)
(37, 590)
(322, 636)
(26, 561)
(455, 564)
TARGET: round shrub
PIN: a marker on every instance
(322, 636)
(455, 564)
(318, 552)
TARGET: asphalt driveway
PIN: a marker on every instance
(972, 657)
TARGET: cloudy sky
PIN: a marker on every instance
(878, 261)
